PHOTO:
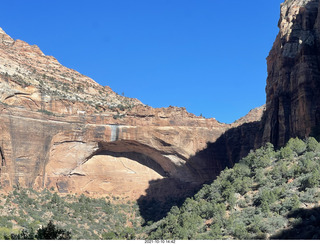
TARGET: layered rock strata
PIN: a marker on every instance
(293, 87)
(60, 129)
(100, 152)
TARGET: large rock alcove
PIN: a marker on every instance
(120, 168)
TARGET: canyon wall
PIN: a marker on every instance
(292, 91)
(100, 154)
(61, 130)
(293, 83)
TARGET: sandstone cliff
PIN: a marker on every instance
(293, 91)
(60, 129)
(39, 82)
(293, 88)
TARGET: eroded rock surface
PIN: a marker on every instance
(293, 92)
(293, 88)
(61, 129)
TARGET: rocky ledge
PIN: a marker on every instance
(60, 129)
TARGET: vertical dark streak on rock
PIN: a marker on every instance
(3, 160)
(14, 179)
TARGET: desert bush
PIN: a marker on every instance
(5, 233)
(309, 196)
(272, 224)
(296, 145)
(312, 145)
(311, 180)
(239, 231)
(286, 153)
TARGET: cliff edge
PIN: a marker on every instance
(60, 129)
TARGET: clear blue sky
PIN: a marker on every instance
(206, 55)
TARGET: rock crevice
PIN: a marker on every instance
(293, 74)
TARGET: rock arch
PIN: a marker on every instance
(66, 152)
(120, 168)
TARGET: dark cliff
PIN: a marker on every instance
(59, 128)
(292, 91)
(293, 83)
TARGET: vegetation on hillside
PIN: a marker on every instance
(267, 195)
(24, 211)
(49, 232)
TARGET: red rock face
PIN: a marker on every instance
(293, 88)
(44, 150)
(60, 129)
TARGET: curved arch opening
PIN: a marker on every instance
(124, 168)
(145, 155)
(117, 168)
(137, 157)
